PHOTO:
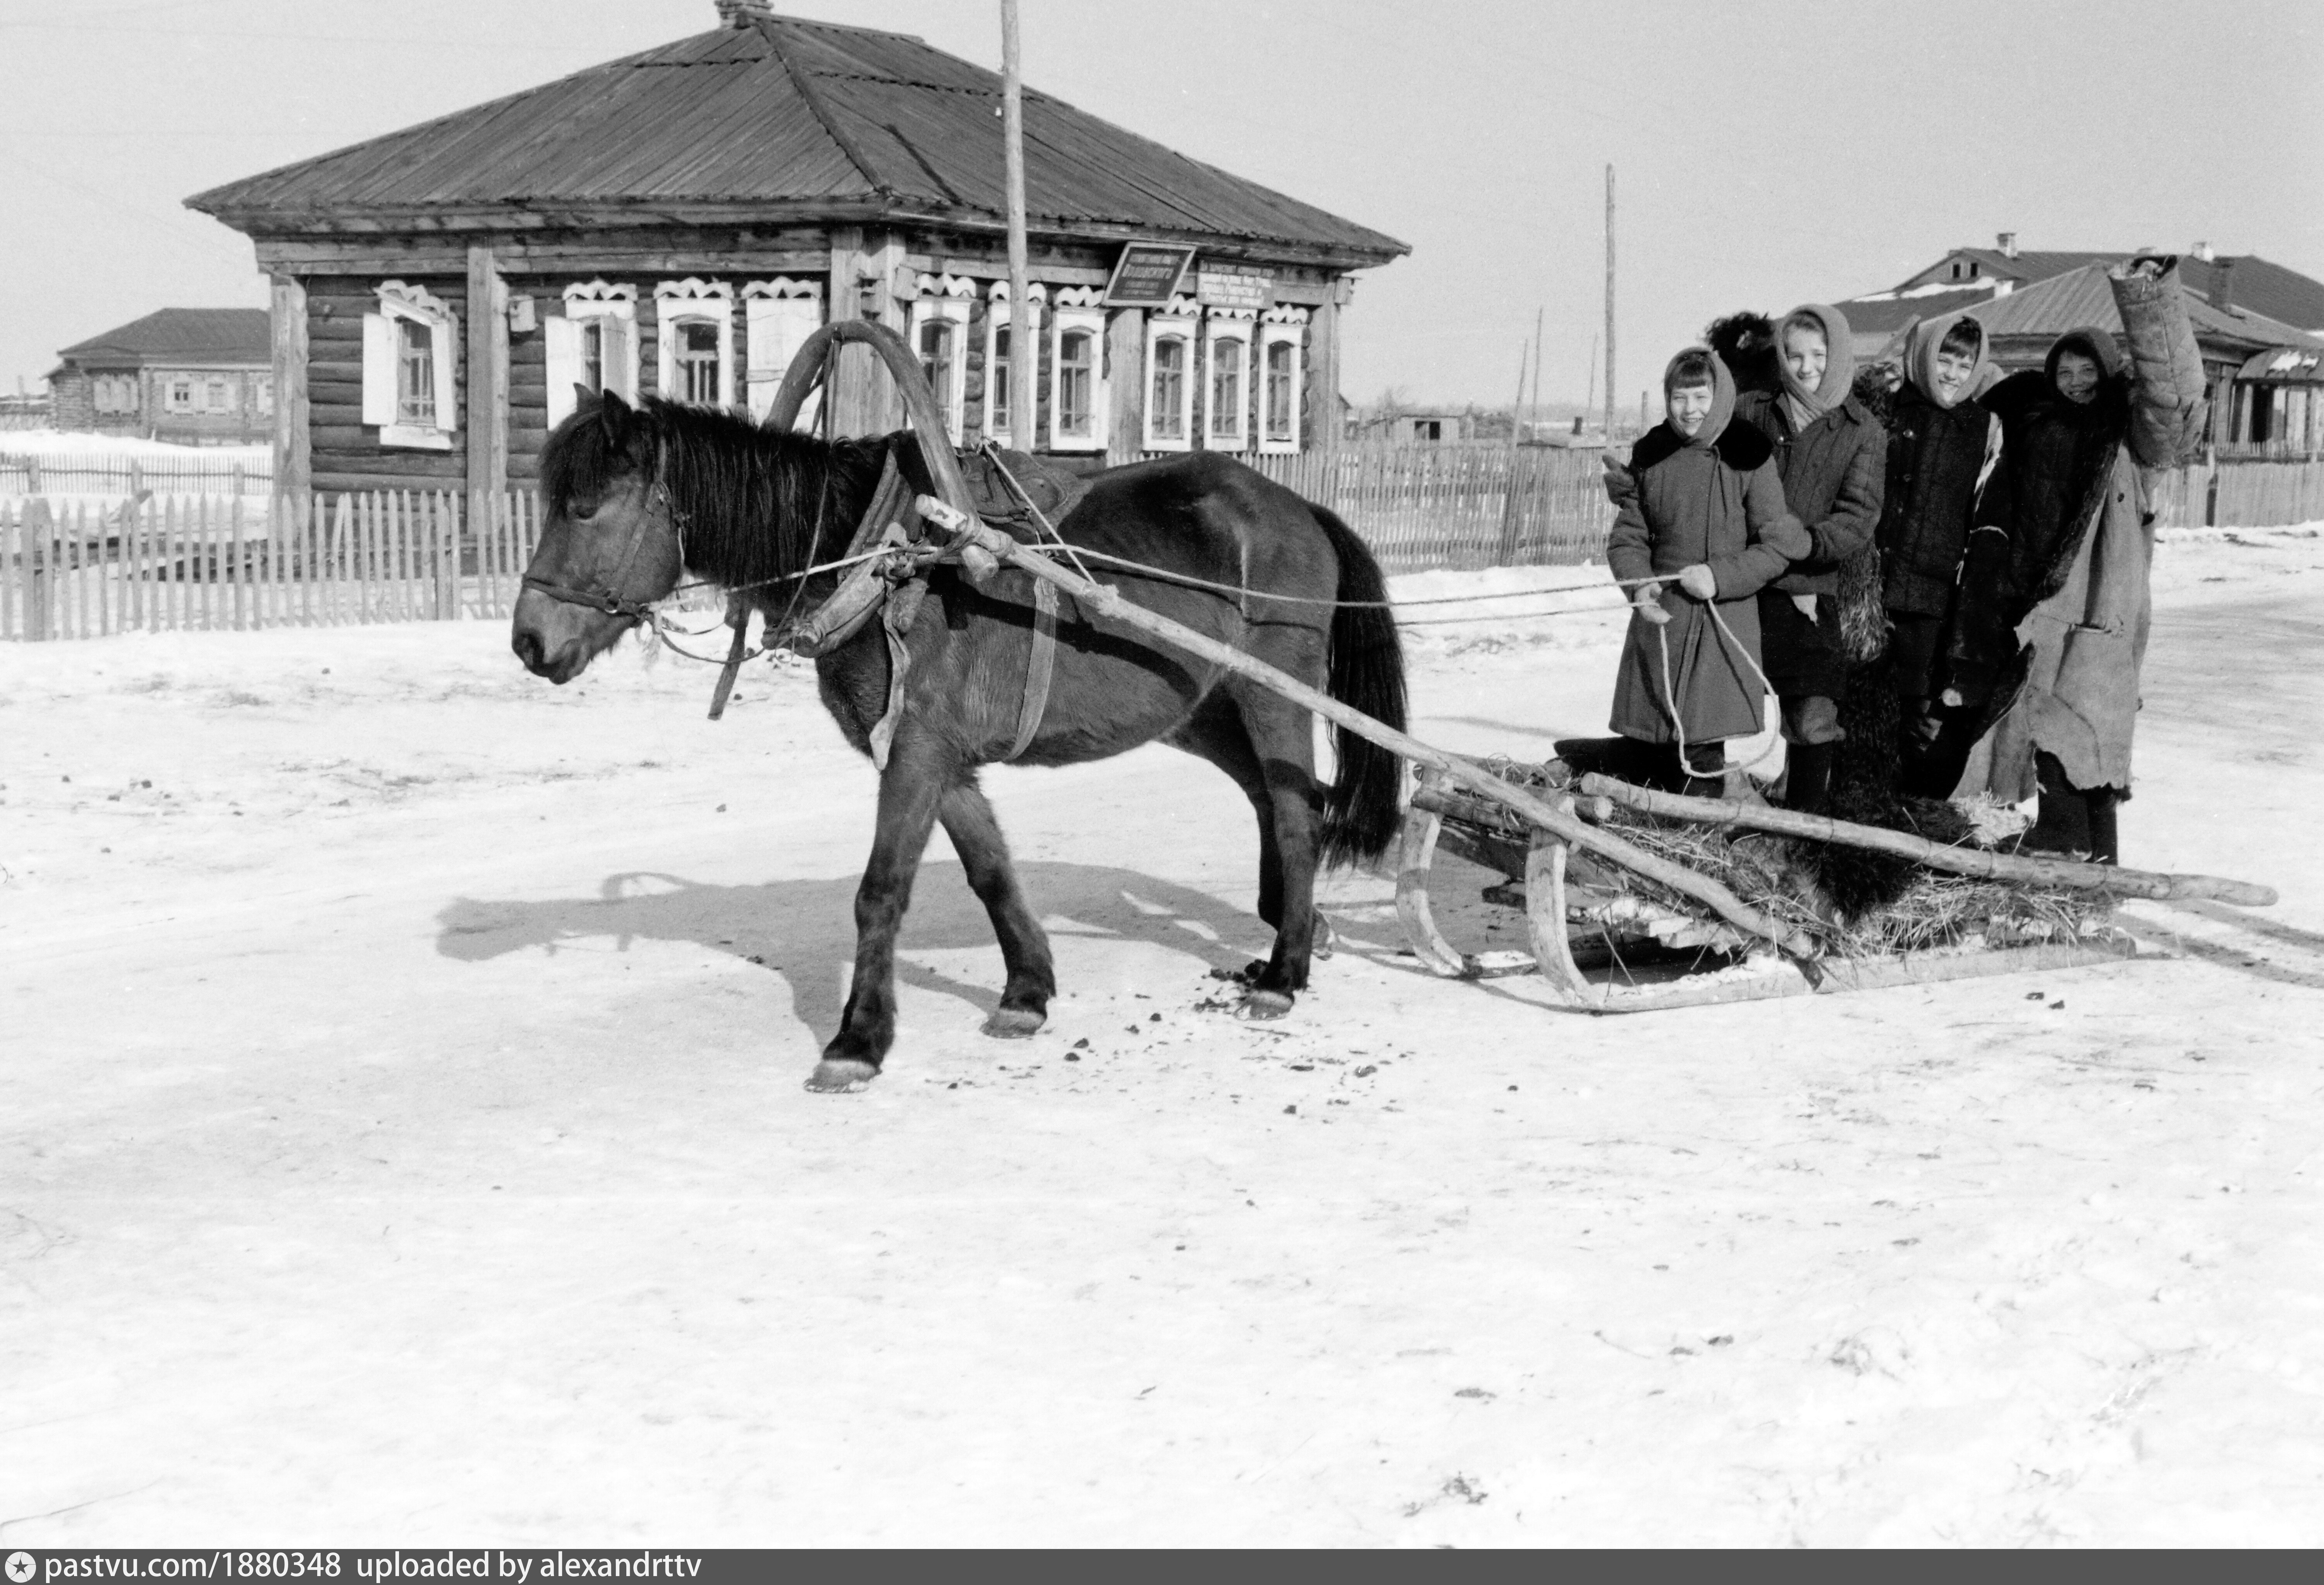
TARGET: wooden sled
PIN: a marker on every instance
(1647, 956)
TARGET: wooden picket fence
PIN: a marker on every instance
(79, 568)
(103, 473)
(1460, 505)
(75, 570)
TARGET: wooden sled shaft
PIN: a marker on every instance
(1108, 602)
(1976, 862)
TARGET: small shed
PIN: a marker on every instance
(191, 376)
(678, 222)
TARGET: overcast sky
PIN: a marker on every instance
(1767, 153)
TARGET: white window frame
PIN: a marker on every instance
(178, 393)
(400, 303)
(614, 307)
(946, 298)
(217, 393)
(778, 318)
(1281, 327)
(262, 395)
(1219, 325)
(1181, 321)
(1078, 309)
(999, 314)
(693, 301)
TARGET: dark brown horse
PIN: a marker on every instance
(638, 497)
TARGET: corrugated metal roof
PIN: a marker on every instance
(1886, 311)
(2284, 365)
(2262, 287)
(2082, 297)
(2027, 265)
(210, 334)
(783, 112)
(2255, 284)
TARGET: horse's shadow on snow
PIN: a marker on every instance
(806, 928)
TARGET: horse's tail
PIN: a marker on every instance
(1361, 816)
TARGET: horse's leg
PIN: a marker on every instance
(968, 820)
(1215, 734)
(910, 790)
(1282, 737)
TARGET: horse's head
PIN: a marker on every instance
(609, 540)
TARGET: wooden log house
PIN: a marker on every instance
(678, 222)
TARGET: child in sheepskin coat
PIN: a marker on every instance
(1703, 526)
(2055, 600)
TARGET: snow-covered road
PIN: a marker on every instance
(401, 1139)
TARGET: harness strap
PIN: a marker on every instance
(1040, 665)
(738, 612)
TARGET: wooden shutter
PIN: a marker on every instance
(621, 355)
(560, 347)
(378, 369)
(775, 329)
(444, 333)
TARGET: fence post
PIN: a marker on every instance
(37, 571)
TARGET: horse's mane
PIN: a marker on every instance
(754, 501)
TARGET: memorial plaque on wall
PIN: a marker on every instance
(1234, 286)
(1147, 274)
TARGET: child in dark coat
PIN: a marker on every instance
(1832, 455)
(1704, 525)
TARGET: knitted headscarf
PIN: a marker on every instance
(2114, 374)
(1920, 356)
(1806, 406)
(1723, 398)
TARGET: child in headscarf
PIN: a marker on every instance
(1939, 434)
(1704, 527)
(1832, 454)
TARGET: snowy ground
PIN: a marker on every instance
(60, 442)
(401, 1139)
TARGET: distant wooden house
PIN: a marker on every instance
(25, 410)
(191, 376)
(678, 222)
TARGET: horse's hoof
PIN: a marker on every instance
(1015, 1023)
(841, 1075)
(1261, 1006)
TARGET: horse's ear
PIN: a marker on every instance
(614, 412)
(587, 400)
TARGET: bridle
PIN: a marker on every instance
(612, 601)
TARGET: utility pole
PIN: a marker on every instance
(1023, 398)
(1610, 304)
(1538, 310)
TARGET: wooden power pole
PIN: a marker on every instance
(1023, 351)
(1609, 305)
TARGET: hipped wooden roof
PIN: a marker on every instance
(778, 119)
(197, 334)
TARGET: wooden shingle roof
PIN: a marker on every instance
(779, 119)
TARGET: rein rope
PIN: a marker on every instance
(1670, 700)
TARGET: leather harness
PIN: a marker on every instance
(891, 587)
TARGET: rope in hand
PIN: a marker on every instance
(1670, 700)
